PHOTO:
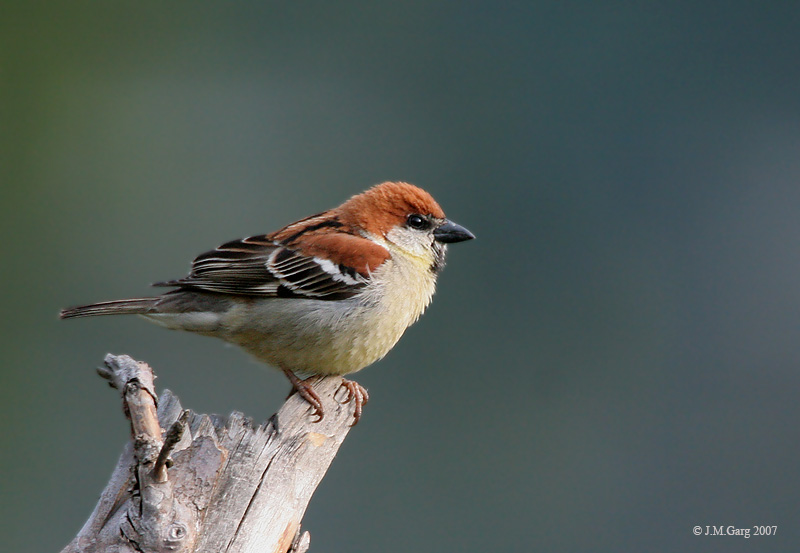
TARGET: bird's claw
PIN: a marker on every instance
(303, 387)
(313, 399)
(357, 394)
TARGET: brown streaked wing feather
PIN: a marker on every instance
(236, 267)
(313, 277)
(256, 266)
(355, 253)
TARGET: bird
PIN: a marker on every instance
(327, 295)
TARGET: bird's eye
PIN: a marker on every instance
(417, 222)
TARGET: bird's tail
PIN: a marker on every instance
(138, 306)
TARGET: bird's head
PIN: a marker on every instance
(407, 219)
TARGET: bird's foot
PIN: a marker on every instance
(303, 387)
(357, 394)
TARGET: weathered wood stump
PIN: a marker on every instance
(198, 483)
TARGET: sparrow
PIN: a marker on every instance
(327, 295)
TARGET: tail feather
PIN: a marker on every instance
(137, 306)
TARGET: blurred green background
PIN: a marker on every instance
(613, 361)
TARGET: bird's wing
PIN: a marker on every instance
(259, 267)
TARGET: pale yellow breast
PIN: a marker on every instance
(400, 293)
(336, 337)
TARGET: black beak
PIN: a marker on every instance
(449, 232)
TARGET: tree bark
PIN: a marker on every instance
(198, 483)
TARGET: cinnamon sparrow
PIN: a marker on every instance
(327, 295)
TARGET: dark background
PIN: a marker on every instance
(613, 361)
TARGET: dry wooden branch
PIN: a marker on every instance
(208, 483)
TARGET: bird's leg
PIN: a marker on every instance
(358, 394)
(304, 389)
